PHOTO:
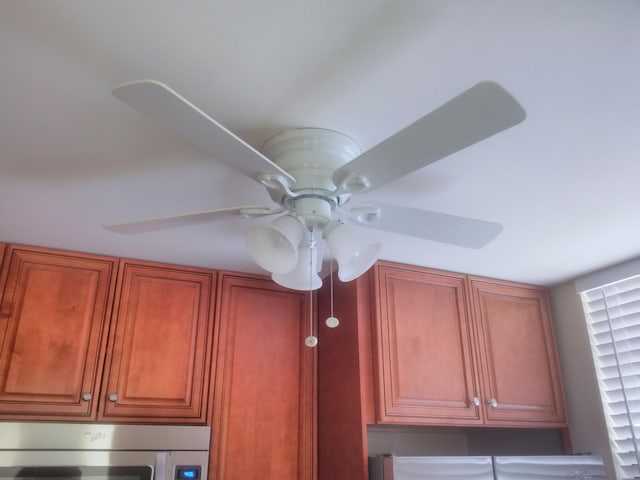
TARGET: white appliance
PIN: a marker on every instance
(387, 467)
(62, 451)
(579, 467)
(557, 467)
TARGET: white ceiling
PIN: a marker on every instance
(564, 184)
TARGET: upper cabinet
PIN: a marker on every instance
(159, 354)
(264, 408)
(53, 330)
(60, 326)
(521, 380)
(457, 350)
(425, 352)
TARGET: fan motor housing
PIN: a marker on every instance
(311, 155)
(314, 209)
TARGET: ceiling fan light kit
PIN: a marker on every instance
(312, 174)
(354, 256)
(275, 246)
(305, 275)
(289, 250)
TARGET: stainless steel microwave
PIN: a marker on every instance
(62, 451)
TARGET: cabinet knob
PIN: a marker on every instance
(475, 401)
(113, 397)
(86, 396)
(493, 403)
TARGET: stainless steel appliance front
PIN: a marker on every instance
(62, 451)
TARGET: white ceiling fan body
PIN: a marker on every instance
(312, 173)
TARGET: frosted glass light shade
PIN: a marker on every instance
(300, 278)
(275, 246)
(354, 256)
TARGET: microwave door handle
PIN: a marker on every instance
(161, 468)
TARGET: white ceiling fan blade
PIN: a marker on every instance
(478, 113)
(176, 113)
(190, 219)
(439, 227)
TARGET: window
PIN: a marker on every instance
(613, 316)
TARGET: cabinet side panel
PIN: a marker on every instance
(54, 319)
(2, 248)
(342, 449)
(263, 412)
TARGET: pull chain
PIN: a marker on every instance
(311, 314)
(331, 290)
(311, 340)
(332, 321)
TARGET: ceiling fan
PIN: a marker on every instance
(311, 175)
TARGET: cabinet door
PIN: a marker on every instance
(53, 324)
(158, 361)
(519, 359)
(425, 353)
(264, 413)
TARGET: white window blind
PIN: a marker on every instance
(613, 315)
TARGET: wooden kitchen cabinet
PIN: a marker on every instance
(451, 354)
(264, 408)
(69, 352)
(517, 351)
(158, 361)
(53, 329)
(426, 371)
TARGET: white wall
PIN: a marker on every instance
(415, 440)
(587, 424)
(412, 440)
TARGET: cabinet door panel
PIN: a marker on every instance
(265, 381)
(53, 329)
(519, 356)
(426, 366)
(158, 363)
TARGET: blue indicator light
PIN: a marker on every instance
(188, 473)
